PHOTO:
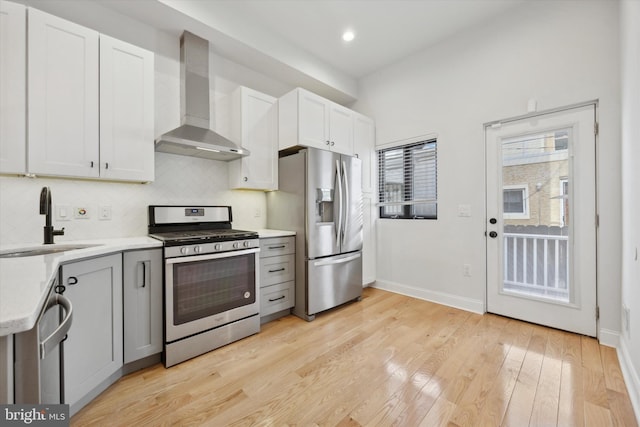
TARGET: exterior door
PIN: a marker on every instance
(541, 219)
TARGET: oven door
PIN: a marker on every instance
(206, 291)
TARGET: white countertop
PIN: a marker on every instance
(267, 233)
(25, 281)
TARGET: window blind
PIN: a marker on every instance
(407, 181)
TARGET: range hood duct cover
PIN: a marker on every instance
(195, 137)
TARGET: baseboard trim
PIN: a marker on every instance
(467, 304)
(609, 338)
(631, 376)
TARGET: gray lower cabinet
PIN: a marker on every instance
(93, 348)
(142, 289)
(277, 277)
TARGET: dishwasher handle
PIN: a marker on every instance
(57, 336)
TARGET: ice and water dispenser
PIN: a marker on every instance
(324, 204)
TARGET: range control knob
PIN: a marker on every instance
(236, 245)
(196, 249)
(217, 247)
(246, 244)
(184, 250)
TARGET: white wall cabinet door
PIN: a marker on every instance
(142, 294)
(313, 120)
(368, 240)
(93, 348)
(126, 111)
(309, 120)
(13, 94)
(363, 147)
(63, 118)
(340, 129)
(254, 125)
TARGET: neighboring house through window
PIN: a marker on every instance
(515, 199)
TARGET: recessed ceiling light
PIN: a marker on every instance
(348, 35)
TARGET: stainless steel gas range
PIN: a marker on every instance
(211, 279)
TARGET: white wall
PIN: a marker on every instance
(630, 342)
(557, 52)
(178, 179)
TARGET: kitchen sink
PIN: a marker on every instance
(40, 250)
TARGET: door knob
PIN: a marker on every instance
(493, 234)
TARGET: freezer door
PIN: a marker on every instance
(351, 239)
(323, 203)
(333, 281)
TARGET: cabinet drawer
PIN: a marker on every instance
(276, 269)
(275, 298)
(277, 246)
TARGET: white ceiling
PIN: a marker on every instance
(386, 30)
(299, 41)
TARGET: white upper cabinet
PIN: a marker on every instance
(13, 61)
(363, 146)
(254, 126)
(63, 98)
(90, 103)
(126, 111)
(309, 120)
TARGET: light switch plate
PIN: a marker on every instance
(63, 213)
(464, 210)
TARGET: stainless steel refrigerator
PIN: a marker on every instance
(320, 198)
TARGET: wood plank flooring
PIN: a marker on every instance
(388, 360)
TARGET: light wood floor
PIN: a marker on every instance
(387, 360)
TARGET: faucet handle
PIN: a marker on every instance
(58, 232)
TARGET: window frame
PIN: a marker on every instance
(525, 202)
(408, 186)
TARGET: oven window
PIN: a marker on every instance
(205, 288)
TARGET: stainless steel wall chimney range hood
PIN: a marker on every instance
(195, 138)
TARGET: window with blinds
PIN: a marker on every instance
(407, 181)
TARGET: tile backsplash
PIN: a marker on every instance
(179, 180)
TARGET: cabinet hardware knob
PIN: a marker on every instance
(91, 163)
(106, 165)
(246, 179)
(493, 234)
(72, 280)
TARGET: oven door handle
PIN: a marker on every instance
(217, 255)
(57, 336)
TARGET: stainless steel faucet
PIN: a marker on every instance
(45, 209)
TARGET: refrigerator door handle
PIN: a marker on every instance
(347, 202)
(336, 261)
(339, 178)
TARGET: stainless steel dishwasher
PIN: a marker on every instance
(39, 353)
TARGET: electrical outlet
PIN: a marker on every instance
(466, 270)
(257, 213)
(104, 213)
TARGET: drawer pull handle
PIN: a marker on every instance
(276, 299)
(277, 247)
(276, 270)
